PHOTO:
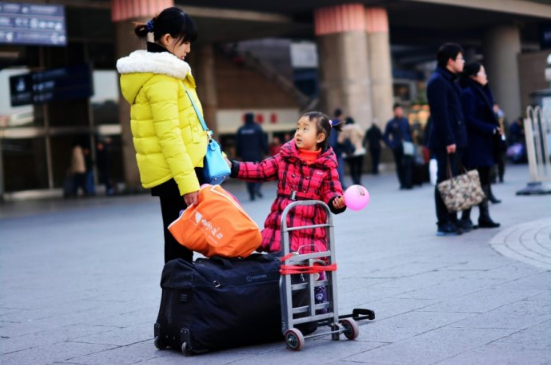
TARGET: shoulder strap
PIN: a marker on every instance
(203, 124)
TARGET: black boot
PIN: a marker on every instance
(465, 222)
(491, 196)
(484, 220)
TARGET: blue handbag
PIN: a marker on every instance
(215, 167)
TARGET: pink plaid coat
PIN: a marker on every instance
(317, 181)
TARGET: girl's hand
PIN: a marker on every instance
(191, 198)
(338, 202)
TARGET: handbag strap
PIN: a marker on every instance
(199, 115)
(460, 166)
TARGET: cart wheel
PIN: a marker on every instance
(294, 339)
(185, 349)
(158, 343)
(351, 329)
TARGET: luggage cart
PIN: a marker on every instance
(323, 314)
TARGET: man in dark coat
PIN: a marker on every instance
(397, 132)
(251, 144)
(448, 135)
(372, 139)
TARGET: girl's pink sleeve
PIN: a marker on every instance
(331, 188)
(265, 170)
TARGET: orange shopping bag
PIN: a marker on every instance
(217, 225)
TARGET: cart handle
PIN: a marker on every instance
(284, 228)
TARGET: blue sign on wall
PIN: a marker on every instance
(57, 84)
(22, 23)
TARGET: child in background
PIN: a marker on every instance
(306, 168)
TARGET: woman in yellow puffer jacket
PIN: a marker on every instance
(169, 140)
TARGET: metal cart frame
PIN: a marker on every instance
(337, 325)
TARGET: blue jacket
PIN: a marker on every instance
(478, 103)
(251, 142)
(448, 124)
(400, 131)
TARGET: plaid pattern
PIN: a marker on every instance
(317, 181)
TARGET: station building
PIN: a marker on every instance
(275, 59)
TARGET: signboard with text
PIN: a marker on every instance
(32, 24)
(57, 84)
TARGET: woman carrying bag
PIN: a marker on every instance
(482, 127)
(168, 137)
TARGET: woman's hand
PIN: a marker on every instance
(191, 198)
(338, 202)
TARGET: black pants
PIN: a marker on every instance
(170, 210)
(375, 158)
(254, 189)
(171, 206)
(355, 164)
(442, 215)
(404, 166)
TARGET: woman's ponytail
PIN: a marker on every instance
(142, 29)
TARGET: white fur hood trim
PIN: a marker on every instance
(163, 63)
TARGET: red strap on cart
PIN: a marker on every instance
(304, 269)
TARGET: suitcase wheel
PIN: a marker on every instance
(351, 328)
(185, 350)
(294, 339)
(158, 343)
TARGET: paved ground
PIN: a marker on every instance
(79, 283)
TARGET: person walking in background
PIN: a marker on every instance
(275, 146)
(397, 132)
(482, 126)
(89, 163)
(501, 143)
(104, 161)
(169, 140)
(447, 135)
(373, 138)
(337, 123)
(355, 136)
(78, 169)
(251, 145)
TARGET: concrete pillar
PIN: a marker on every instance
(380, 64)
(501, 45)
(203, 70)
(124, 14)
(344, 61)
(127, 42)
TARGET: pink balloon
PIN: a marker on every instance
(356, 197)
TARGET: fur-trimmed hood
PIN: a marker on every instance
(163, 63)
(140, 66)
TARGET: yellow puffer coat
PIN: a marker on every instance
(167, 134)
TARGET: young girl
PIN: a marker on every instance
(307, 170)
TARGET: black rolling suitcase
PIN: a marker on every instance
(219, 303)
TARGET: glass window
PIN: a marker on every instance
(24, 163)
(105, 102)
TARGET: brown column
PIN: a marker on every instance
(124, 14)
(380, 64)
(203, 69)
(127, 42)
(344, 61)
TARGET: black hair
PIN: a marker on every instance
(446, 52)
(471, 69)
(337, 113)
(323, 125)
(173, 21)
(349, 120)
(249, 117)
(396, 105)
